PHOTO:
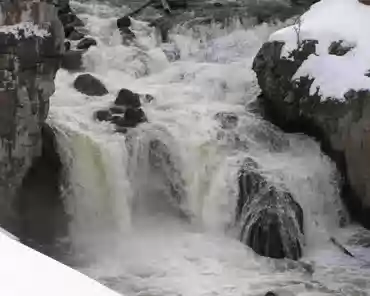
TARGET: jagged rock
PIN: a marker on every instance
(89, 85)
(28, 65)
(117, 110)
(72, 60)
(131, 118)
(74, 34)
(128, 99)
(86, 43)
(103, 115)
(271, 220)
(39, 203)
(340, 123)
(338, 48)
(164, 164)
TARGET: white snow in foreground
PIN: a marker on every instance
(329, 21)
(24, 271)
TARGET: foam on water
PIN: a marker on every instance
(125, 222)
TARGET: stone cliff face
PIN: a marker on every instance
(31, 43)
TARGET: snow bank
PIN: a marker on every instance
(329, 21)
(25, 30)
(24, 271)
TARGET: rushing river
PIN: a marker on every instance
(125, 229)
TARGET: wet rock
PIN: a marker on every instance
(70, 19)
(228, 120)
(340, 125)
(271, 220)
(72, 60)
(131, 118)
(338, 48)
(117, 110)
(128, 99)
(74, 35)
(89, 85)
(123, 22)
(39, 201)
(28, 65)
(67, 46)
(103, 115)
(163, 163)
(86, 43)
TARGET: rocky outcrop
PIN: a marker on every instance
(271, 220)
(39, 205)
(31, 43)
(299, 103)
(126, 111)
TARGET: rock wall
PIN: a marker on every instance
(340, 125)
(31, 43)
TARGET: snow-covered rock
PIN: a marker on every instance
(24, 271)
(315, 78)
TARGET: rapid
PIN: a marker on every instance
(152, 211)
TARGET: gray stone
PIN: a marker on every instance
(89, 85)
(28, 66)
(341, 125)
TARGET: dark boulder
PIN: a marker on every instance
(72, 60)
(271, 220)
(127, 98)
(123, 22)
(103, 115)
(338, 48)
(131, 118)
(67, 45)
(164, 164)
(89, 85)
(339, 124)
(86, 43)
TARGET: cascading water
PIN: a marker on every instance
(152, 212)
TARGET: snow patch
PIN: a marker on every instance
(329, 21)
(24, 271)
(25, 30)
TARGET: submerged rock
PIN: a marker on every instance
(305, 88)
(271, 220)
(90, 85)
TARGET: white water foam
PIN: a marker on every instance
(124, 221)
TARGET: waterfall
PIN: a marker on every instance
(152, 211)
